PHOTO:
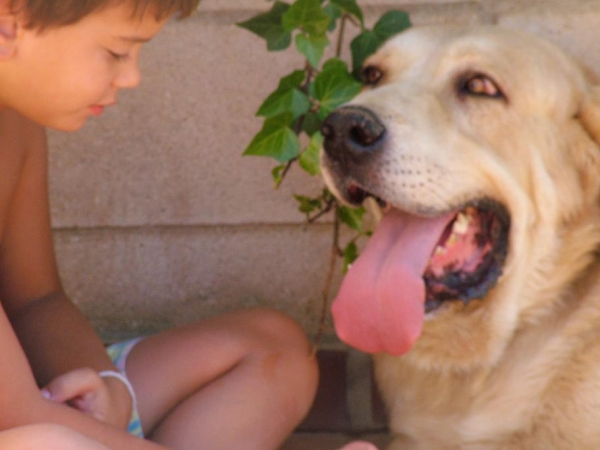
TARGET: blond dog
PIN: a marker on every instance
(479, 292)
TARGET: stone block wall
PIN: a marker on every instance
(159, 220)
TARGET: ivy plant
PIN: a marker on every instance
(294, 111)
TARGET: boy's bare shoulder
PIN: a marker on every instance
(22, 144)
(19, 136)
(23, 158)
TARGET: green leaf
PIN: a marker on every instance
(268, 26)
(367, 42)
(334, 86)
(276, 140)
(308, 205)
(353, 217)
(350, 255)
(308, 16)
(287, 98)
(362, 46)
(350, 7)
(391, 23)
(311, 123)
(334, 12)
(310, 158)
(277, 174)
(327, 196)
(334, 64)
(312, 47)
(293, 80)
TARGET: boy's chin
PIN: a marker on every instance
(66, 125)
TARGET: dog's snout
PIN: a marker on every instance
(352, 132)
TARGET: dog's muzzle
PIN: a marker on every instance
(352, 135)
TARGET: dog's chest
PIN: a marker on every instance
(436, 409)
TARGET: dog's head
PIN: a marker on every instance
(482, 147)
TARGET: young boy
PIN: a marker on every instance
(239, 381)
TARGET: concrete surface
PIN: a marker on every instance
(159, 219)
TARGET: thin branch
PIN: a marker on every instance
(287, 168)
(325, 293)
(355, 22)
(340, 37)
(328, 207)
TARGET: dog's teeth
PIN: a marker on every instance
(453, 239)
(439, 250)
(461, 224)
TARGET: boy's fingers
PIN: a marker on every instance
(359, 445)
(72, 384)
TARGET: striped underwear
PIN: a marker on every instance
(118, 353)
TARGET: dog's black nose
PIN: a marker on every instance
(352, 132)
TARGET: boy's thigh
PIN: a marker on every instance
(218, 342)
(178, 362)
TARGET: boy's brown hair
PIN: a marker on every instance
(49, 13)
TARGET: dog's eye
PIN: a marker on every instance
(480, 85)
(371, 75)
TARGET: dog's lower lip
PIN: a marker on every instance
(357, 195)
(385, 206)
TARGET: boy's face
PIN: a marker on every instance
(64, 75)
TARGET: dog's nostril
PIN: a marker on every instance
(352, 131)
(365, 133)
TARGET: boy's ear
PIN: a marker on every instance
(8, 35)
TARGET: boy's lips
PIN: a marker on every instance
(97, 110)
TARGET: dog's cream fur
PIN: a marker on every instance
(519, 369)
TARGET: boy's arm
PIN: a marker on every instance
(73, 347)
(54, 334)
(21, 402)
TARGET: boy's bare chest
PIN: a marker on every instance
(11, 168)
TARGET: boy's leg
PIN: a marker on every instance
(241, 380)
(47, 437)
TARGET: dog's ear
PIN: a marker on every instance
(589, 113)
(587, 145)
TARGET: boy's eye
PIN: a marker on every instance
(119, 56)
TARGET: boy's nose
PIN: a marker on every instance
(129, 76)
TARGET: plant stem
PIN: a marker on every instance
(325, 293)
(285, 171)
(328, 207)
(340, 37)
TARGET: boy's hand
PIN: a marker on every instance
(106, 399)
(359, 445)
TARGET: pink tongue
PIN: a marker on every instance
(380, 306)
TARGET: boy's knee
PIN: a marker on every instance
(286, 339)
(269, 331)
(280, 330)
(272, 331)
(274, 349)
(278, 322)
